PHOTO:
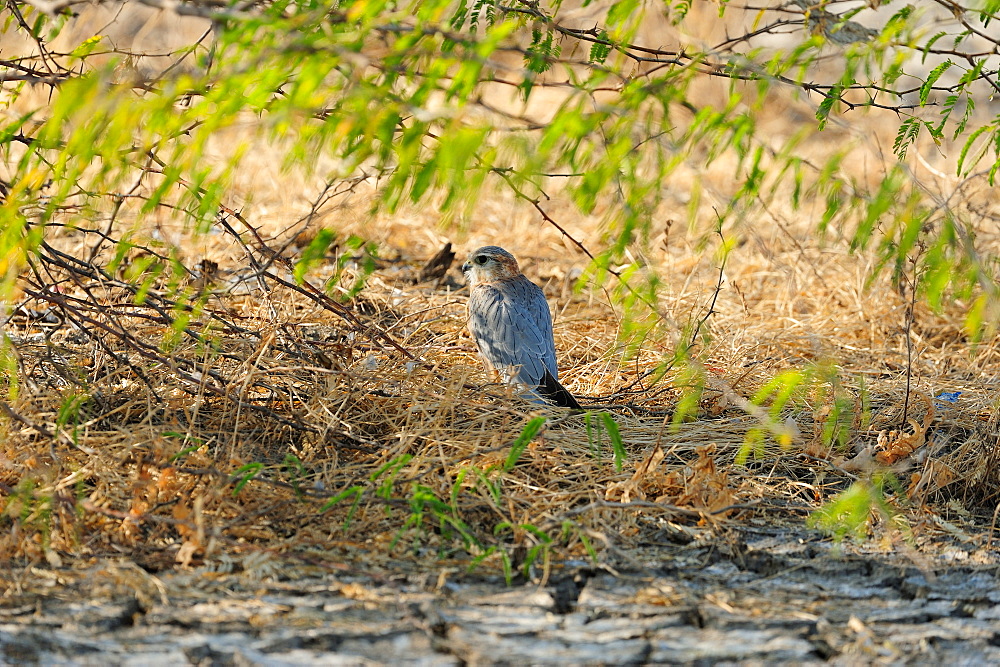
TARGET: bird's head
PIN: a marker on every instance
(490, 264)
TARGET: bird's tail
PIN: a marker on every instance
(550, 389)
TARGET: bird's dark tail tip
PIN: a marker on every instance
(552, 391)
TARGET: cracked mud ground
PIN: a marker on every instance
(758, 597)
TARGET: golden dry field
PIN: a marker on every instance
(306, 431)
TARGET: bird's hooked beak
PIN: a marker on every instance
(466, 267)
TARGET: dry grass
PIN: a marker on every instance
(117, 445)
(149, 460)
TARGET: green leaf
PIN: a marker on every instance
(847, 515)
(907, 134)
(187, 450)
(86, 47)
(387, 473)
(823, 110)
(930, 44)
(932, 78)
(244, 474)
(622, 11)
(352, 492)
(960, 170)
(617, 445)
(314, 253)
(600, 49)
(517, 448)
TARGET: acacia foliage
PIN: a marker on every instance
(405, 93)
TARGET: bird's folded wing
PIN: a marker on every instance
(511, 332)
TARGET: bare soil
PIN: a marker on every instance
(753, 595)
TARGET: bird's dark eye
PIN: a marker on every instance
(481, 259)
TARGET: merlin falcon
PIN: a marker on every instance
(510, 322)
